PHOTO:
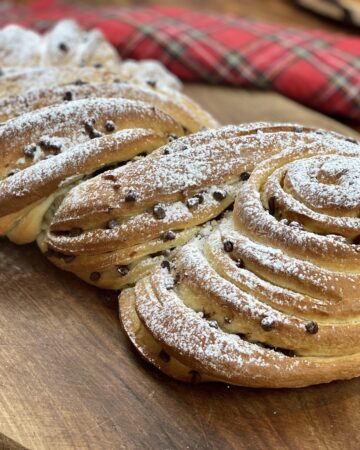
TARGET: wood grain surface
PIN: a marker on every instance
(69, 379)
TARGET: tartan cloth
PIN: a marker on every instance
(314, 67)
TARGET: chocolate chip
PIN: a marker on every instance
(164, 356)
(80, 82)
(166, 151)
(151, 83)
(13, 172)
(240, 264)
(95, 276)
(312, 327)
(267, 323)
(244, 176)
(63, 47)
(75, 232)
(109, 176)
(122, 270)
(30, 150)
(195, 377)
(192, 202)
(130, 196)
(68, 258)
(272, 206)
(159, 212)
(95, 134)
(68, 96)
(172, 137)
(200, 197)
(213, 324)
(47, 143)
(98, 65)
(352, 140)
(219, 194)
(169, 235)
(165, 265)
(109, 125)
(228, 246)
(113, 223)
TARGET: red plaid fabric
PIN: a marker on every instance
(316, 68)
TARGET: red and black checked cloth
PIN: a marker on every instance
(316, 68)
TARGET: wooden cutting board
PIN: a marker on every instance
(69, 379)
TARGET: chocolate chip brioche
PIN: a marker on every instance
(65, 54)
(268, 296)
(65, 44)
(237, 249)
(17, 84)
(46, 152)
(114, 228)
(182, 108)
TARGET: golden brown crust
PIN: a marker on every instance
(260, 299)
(185, 180)
(60, 129)
(179, 106)
(197, 351)
(66, 133)
(20, 80)
(207, 164)
(148, 348)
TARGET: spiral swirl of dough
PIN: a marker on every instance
(269, 295)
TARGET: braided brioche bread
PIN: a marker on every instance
(19, 82)
(269, 295)
(181, 107)
(128, 218)
(65, 54)
(240, 245)
(47, 151)
(65, 44)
